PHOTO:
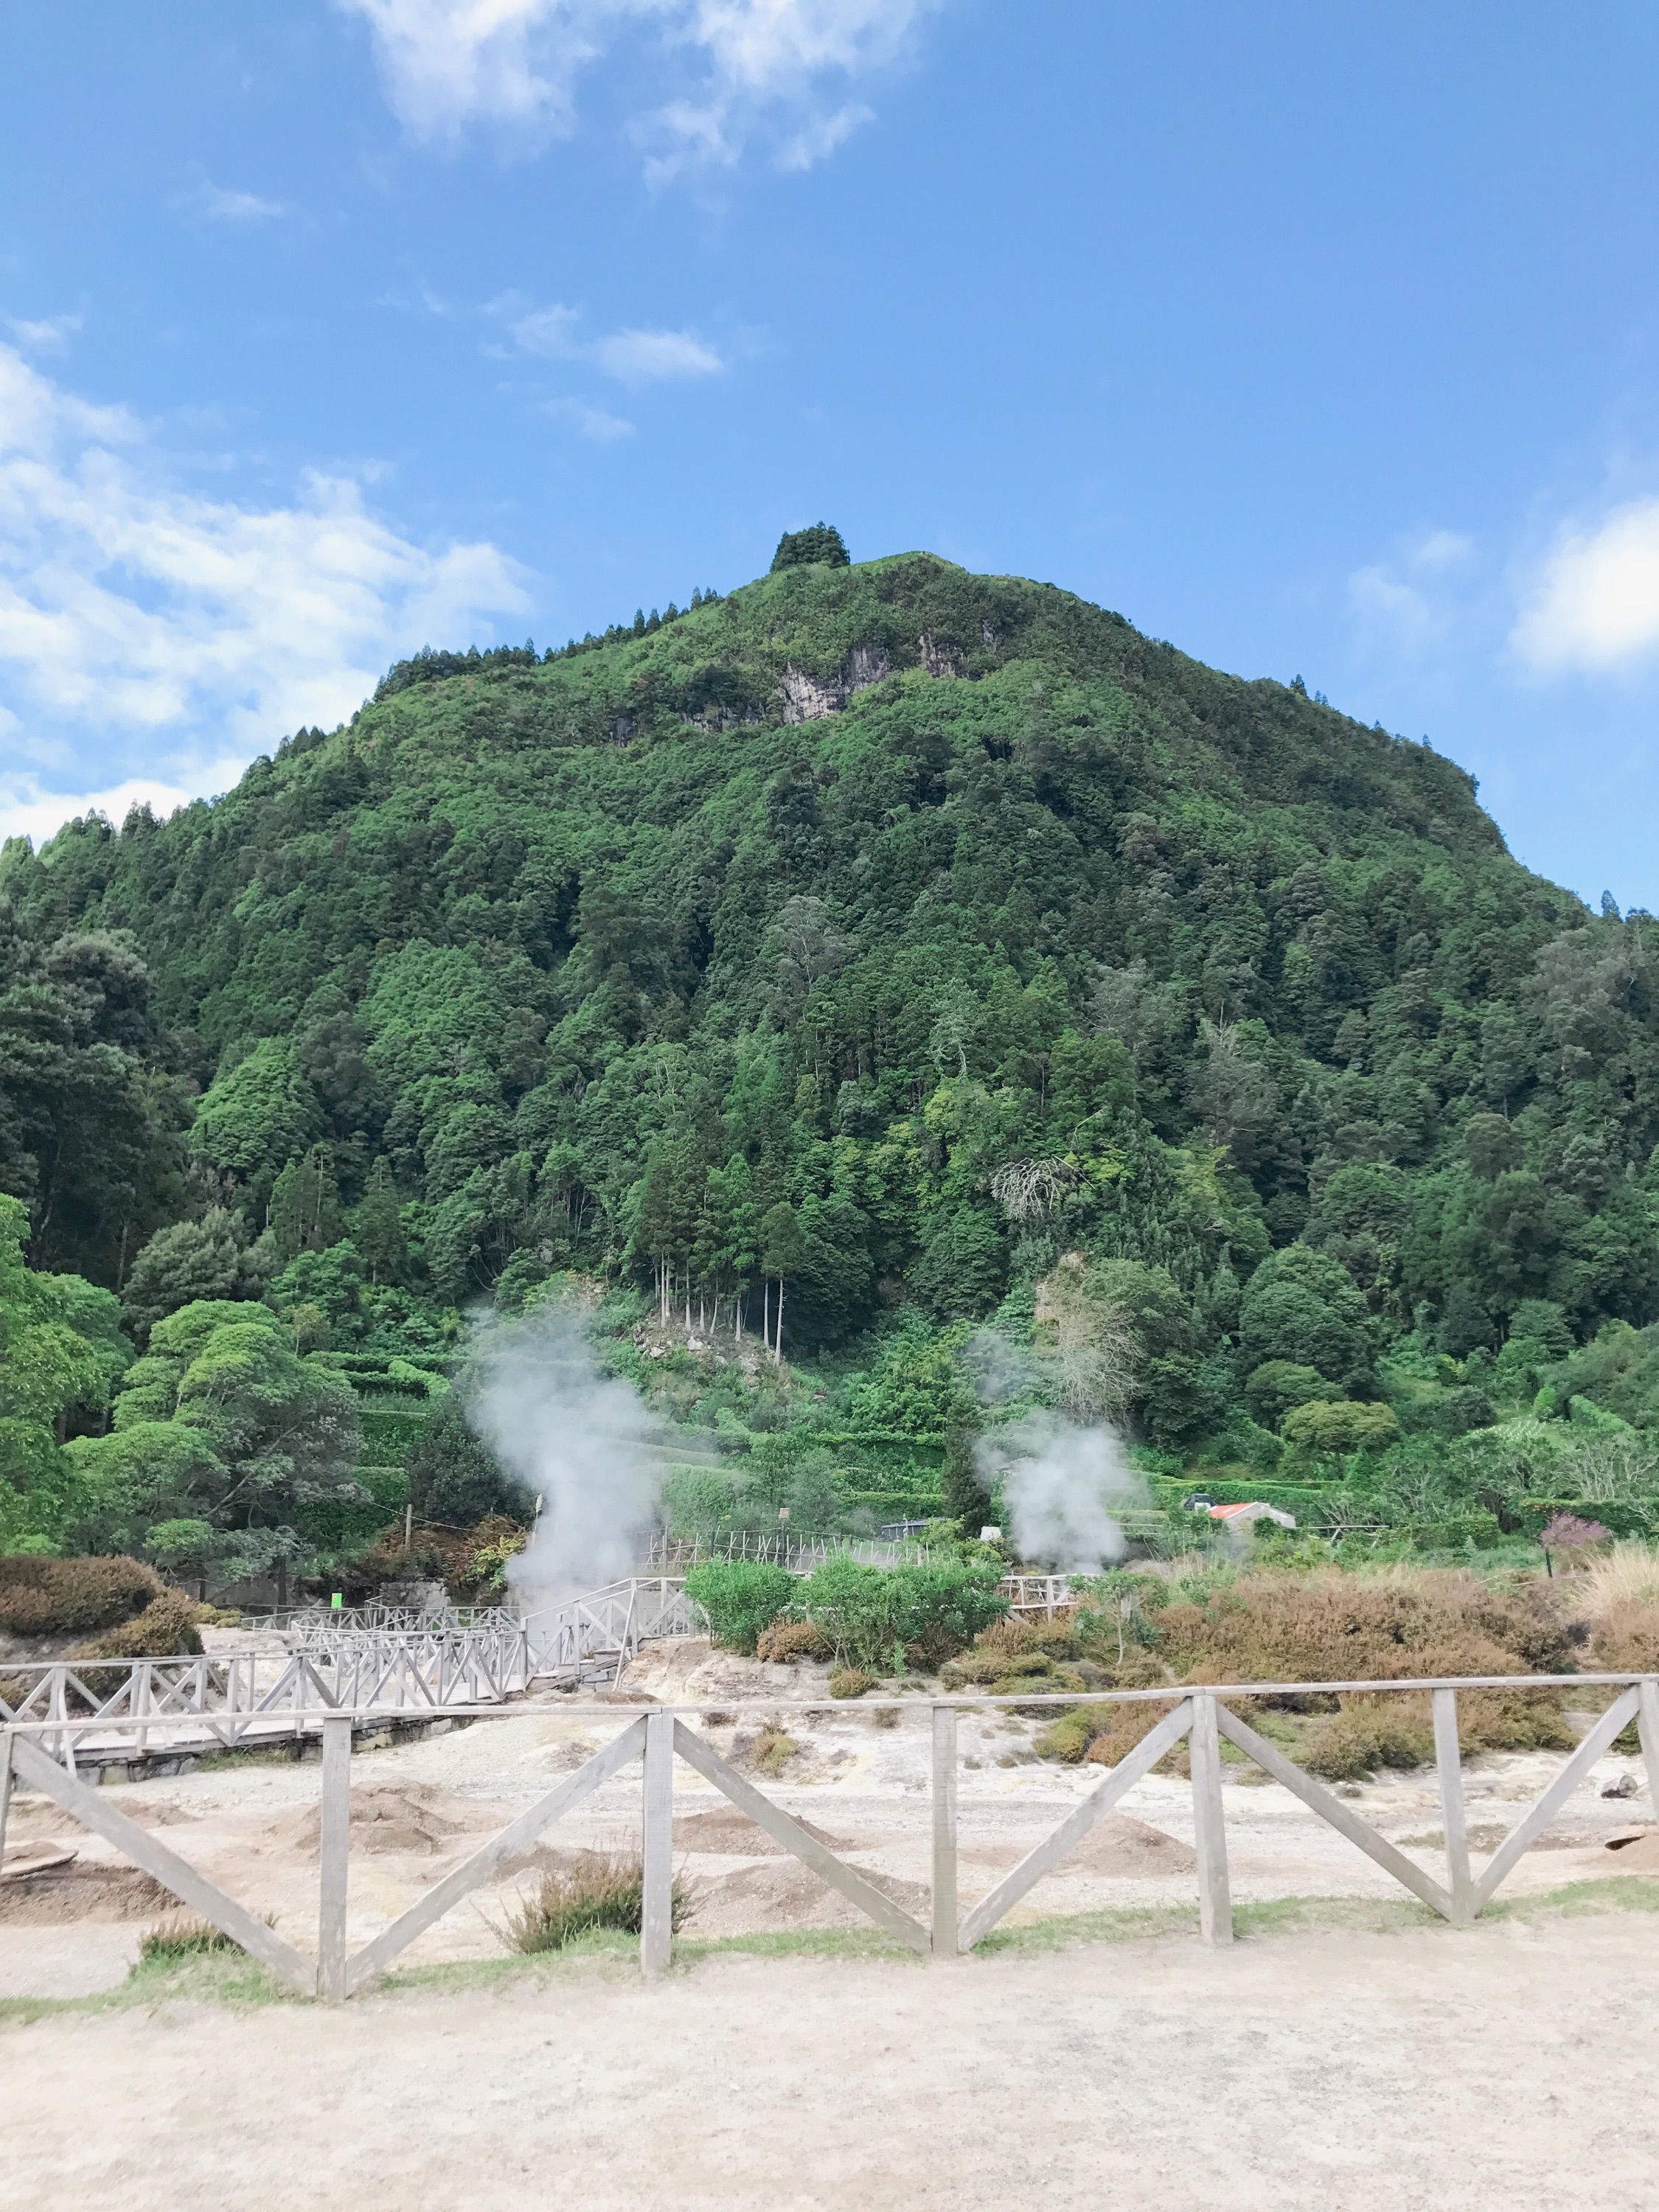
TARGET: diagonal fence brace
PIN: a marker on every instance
(1075, 1826)
(374, 1957)
(173, 1873)
(1330, 1809)
(1538, 1816)
(857, 1888)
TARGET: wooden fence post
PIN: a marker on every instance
(333, 1856)
(944, 1832)
(657, 1914)
(5, 1794)
(1215, 1902)
(1448, 1757)
(1647, 1728)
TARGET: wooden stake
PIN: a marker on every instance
(944, 1832)
(1647, 1728)
(1448, 1758)
(657, 1917)
(1215, 1901)
(333, 1857)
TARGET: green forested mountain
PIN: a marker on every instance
(875, 937)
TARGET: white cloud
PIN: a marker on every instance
(448, 64)
(1407, 604)
(222, 206)
(631, 356)
(1594, 605)
(27, 810)
(50, 334)
(143, 626)
(550, 332)
(596, 423)
(644, 357)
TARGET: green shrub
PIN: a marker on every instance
(773, 1748)
(606, 1890)
(1069, 1736)
(927, 1613)
(850, 1682)
(741, 1597)
(44, 1596)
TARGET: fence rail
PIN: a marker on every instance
(1200, 1714)
(800, 1554)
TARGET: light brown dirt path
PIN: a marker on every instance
(1505, 2066)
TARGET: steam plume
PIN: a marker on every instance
(1060, 1481)
(579, 1439)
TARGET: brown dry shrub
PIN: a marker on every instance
(164, 1630)
(850, 1682)
(788, 1640)
(1013, 1636)
(1366, 1734)
(1121, 1728)
(41, 1597)
(1624, 1638)
(1331, 1627)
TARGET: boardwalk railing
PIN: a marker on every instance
(597, 1633)
(115, 1705)
(1200, 1714)
(301, 1628)
(378, 1659)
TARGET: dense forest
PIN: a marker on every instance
(816, 979)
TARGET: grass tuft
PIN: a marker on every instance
(606, 1892)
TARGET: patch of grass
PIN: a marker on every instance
(773, 1748)
(1296, 1914)
(233, 1979)
(222, 1977)
(183, 1935)
(607, 1892)
(797, 1942)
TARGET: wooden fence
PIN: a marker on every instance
(1201, 1716)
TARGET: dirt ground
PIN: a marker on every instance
(1507, 2065)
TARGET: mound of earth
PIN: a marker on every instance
(725, 1833)
(751, 1900)
(80, 1892)
(394, 1816)
(1637, 1851)
(1117, 1846)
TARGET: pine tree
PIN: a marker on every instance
(967, 1495)
(377, 1228)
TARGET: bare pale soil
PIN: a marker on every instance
(1509, 2065)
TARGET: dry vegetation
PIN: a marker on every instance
(1265, 1625)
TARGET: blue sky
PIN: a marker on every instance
(1318, 340)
